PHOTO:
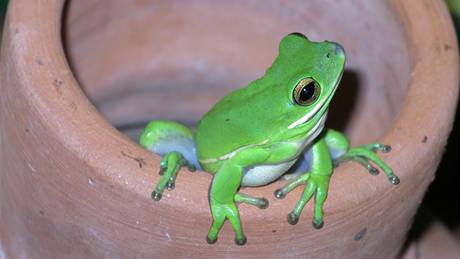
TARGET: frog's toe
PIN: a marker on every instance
(372, 170)
(394, 179)
(170, 186)
(171, 182)
(292, 218)
(318, 223)
(280, 193)
(241, 241)
(263, 204)
(385, 148)
(156, 195)
(211, 240)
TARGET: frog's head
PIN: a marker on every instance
(305, 76)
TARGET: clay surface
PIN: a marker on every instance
(72, 185)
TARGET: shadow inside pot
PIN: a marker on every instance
(345, 100)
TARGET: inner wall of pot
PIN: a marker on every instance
(142, 60)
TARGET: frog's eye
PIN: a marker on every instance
(306, 91)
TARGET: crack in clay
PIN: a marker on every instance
(425, 139)
(140, 161)
(57, 84)
(360, 235)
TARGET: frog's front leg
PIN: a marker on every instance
(316, 182)
(364, 155)
(169, 167)
(175, 143)
(223, 193)
(317, 179)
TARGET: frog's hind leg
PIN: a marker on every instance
(223, 199)
(175, 143)
(365, 155)
(223, 193)
(222, 196)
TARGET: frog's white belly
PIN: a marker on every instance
(265, 174)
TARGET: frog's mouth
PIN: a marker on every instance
(319, 109)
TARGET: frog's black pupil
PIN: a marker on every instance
(307, 92)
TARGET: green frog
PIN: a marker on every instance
(258, 133)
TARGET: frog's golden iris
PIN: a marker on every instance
(306, 91)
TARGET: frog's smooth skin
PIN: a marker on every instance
(255, 134)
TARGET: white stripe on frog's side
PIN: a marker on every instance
(316, 130)
(231, 154)
(267, 173)
(307, 116)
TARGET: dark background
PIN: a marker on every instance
(442, 200)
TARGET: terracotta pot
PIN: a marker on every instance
(72, 185)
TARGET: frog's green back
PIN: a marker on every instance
(233, 124)
(263, 110)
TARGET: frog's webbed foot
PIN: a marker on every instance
(221, 212)
(365, 154)
(314, 185)
(261, 203)
(169, 167)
